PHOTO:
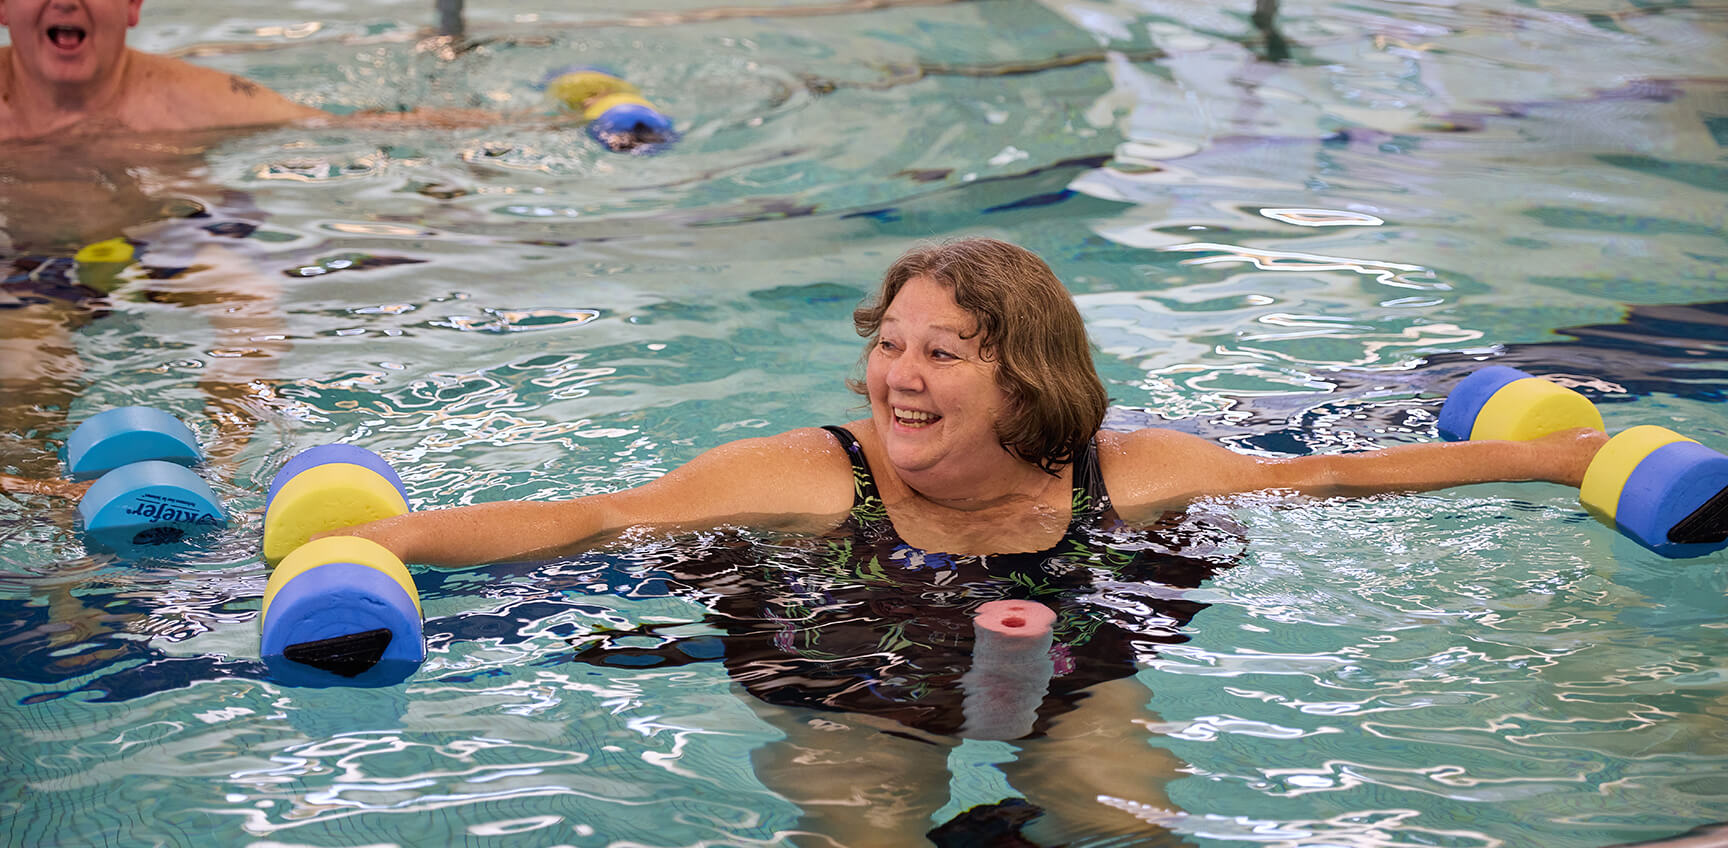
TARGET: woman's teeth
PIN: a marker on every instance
(914, 418)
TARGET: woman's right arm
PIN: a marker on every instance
(798, 481)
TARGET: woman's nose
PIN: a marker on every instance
(905, 373)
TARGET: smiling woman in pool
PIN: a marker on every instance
(982, 394)
(980, 473)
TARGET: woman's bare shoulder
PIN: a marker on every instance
(1149, 440)
(790, 479)
(805, 451)
(1156, 469)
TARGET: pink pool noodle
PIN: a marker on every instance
(1010, 671)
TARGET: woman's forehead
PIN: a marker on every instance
(927, 304)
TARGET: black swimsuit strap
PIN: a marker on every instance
(863, 482)
(1090, 501)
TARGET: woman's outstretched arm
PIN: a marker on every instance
(799, 481)
(1155, 470)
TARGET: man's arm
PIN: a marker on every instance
(204, 98)
(177, 95)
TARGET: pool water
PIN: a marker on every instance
(1286, 257)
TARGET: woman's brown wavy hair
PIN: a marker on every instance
(1030, 328)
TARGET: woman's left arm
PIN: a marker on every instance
(1164, 469)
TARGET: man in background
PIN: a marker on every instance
(69, 71)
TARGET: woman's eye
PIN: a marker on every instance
(884, 344)
(939, 353)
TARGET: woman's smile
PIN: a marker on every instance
(913, 419)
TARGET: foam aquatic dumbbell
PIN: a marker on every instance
(1666, 491)
(618, 115)
(1498, 402)
(145, 496)
(340, 604)
(99, 264)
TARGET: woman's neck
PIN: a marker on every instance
(1015, 482)
(995, 520)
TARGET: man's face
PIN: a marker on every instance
(68, 42)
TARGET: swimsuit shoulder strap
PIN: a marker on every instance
(1091, 500)
(867, 506)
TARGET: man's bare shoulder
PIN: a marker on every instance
(171, 94)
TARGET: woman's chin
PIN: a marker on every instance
(909, 458)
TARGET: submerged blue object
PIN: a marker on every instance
(146, 506)
(128, 434)
(633, 127)
(632, 118)
(344, 453)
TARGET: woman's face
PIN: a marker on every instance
(934, 399)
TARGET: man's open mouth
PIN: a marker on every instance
(66, 37)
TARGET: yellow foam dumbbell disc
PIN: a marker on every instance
(576, 88)
(323, 498)
(1531, 408)
(114, 250)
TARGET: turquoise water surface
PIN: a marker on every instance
(1286, 256)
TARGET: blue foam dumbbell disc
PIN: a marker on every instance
(634, 121)
(147, 505)
(1674, 501)
(128, 434)
(343, 617)
(1458, 414)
